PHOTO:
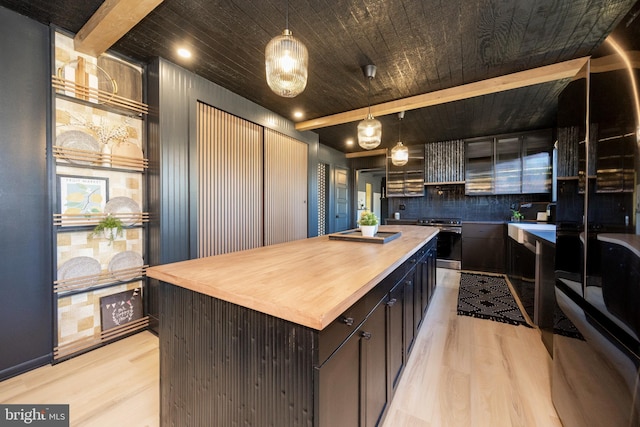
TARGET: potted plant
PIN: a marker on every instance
(368, 223)
(516, 216)
(109, 227)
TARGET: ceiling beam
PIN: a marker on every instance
(561, 70)
(378, 152)
(112, 20)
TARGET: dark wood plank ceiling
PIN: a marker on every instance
(418, 47)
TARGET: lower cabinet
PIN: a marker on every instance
(426, 278)
(373, 361)
(339, 386)
(353, 393)
(521, 270)
(359, 378)
(483, 247)
(395, 339)
(409, 308)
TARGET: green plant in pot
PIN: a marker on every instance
(109, 227)
(516, 216)
(368, 223)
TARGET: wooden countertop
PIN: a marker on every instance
(309, 282)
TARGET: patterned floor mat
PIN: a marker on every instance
(488, 297)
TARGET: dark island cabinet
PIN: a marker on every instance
(425, 282)
(395, 339)
(351, 390)
(409, 311)
(359, 378)
(343, 375)
(339, 386)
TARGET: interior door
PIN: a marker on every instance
(285, 188)
(341, 207)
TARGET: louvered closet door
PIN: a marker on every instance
(285, 188)
(230, 181)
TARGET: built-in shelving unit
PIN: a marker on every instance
(98, 152)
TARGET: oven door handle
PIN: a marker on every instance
(456, 230)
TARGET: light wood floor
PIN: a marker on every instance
(462, 372)
(467, 372)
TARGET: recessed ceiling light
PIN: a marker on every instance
(185, 53)
(349, 141)
(298, 114)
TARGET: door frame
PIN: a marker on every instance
(333, 227)
(354, 201)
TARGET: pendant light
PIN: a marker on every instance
(286, 61)
(400, 153)
(370, 129)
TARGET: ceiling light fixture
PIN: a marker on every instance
(286, 61)
(370, 129)
(400, 153)
(185, 53)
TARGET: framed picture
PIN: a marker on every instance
(121, 308)
(82, 194)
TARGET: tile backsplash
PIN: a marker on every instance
(449, 201)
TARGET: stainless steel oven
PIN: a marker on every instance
(449, 241)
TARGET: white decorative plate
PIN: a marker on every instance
(129, 261)
(81, 266)
(123, 205)
(78, 140)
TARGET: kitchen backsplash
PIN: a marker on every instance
(449, 201)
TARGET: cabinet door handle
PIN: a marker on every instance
(413, 260)
(366, 335)
(391, 302)
(347, 321)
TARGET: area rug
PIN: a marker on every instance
(488, 297)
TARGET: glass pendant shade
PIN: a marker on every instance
(399, 154)
(286, 60)
(369, 133)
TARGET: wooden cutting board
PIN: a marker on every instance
(127, 77)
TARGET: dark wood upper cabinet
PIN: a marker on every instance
(509, 164)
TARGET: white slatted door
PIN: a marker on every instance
(285, 188)
(230, 182)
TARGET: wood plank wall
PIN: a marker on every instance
(230, 182)
(285, 192)
(226, 365)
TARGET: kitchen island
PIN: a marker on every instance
(313, 332)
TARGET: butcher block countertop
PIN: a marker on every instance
(309, 282)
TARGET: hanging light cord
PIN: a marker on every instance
(400, 130)
(369, 96)
(286, 24)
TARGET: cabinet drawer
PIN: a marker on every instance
(483, 231)
(331, 337)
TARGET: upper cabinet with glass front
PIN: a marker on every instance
(509, 164)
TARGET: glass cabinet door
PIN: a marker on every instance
(508, 168)
(479, 167)
(536, 163)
